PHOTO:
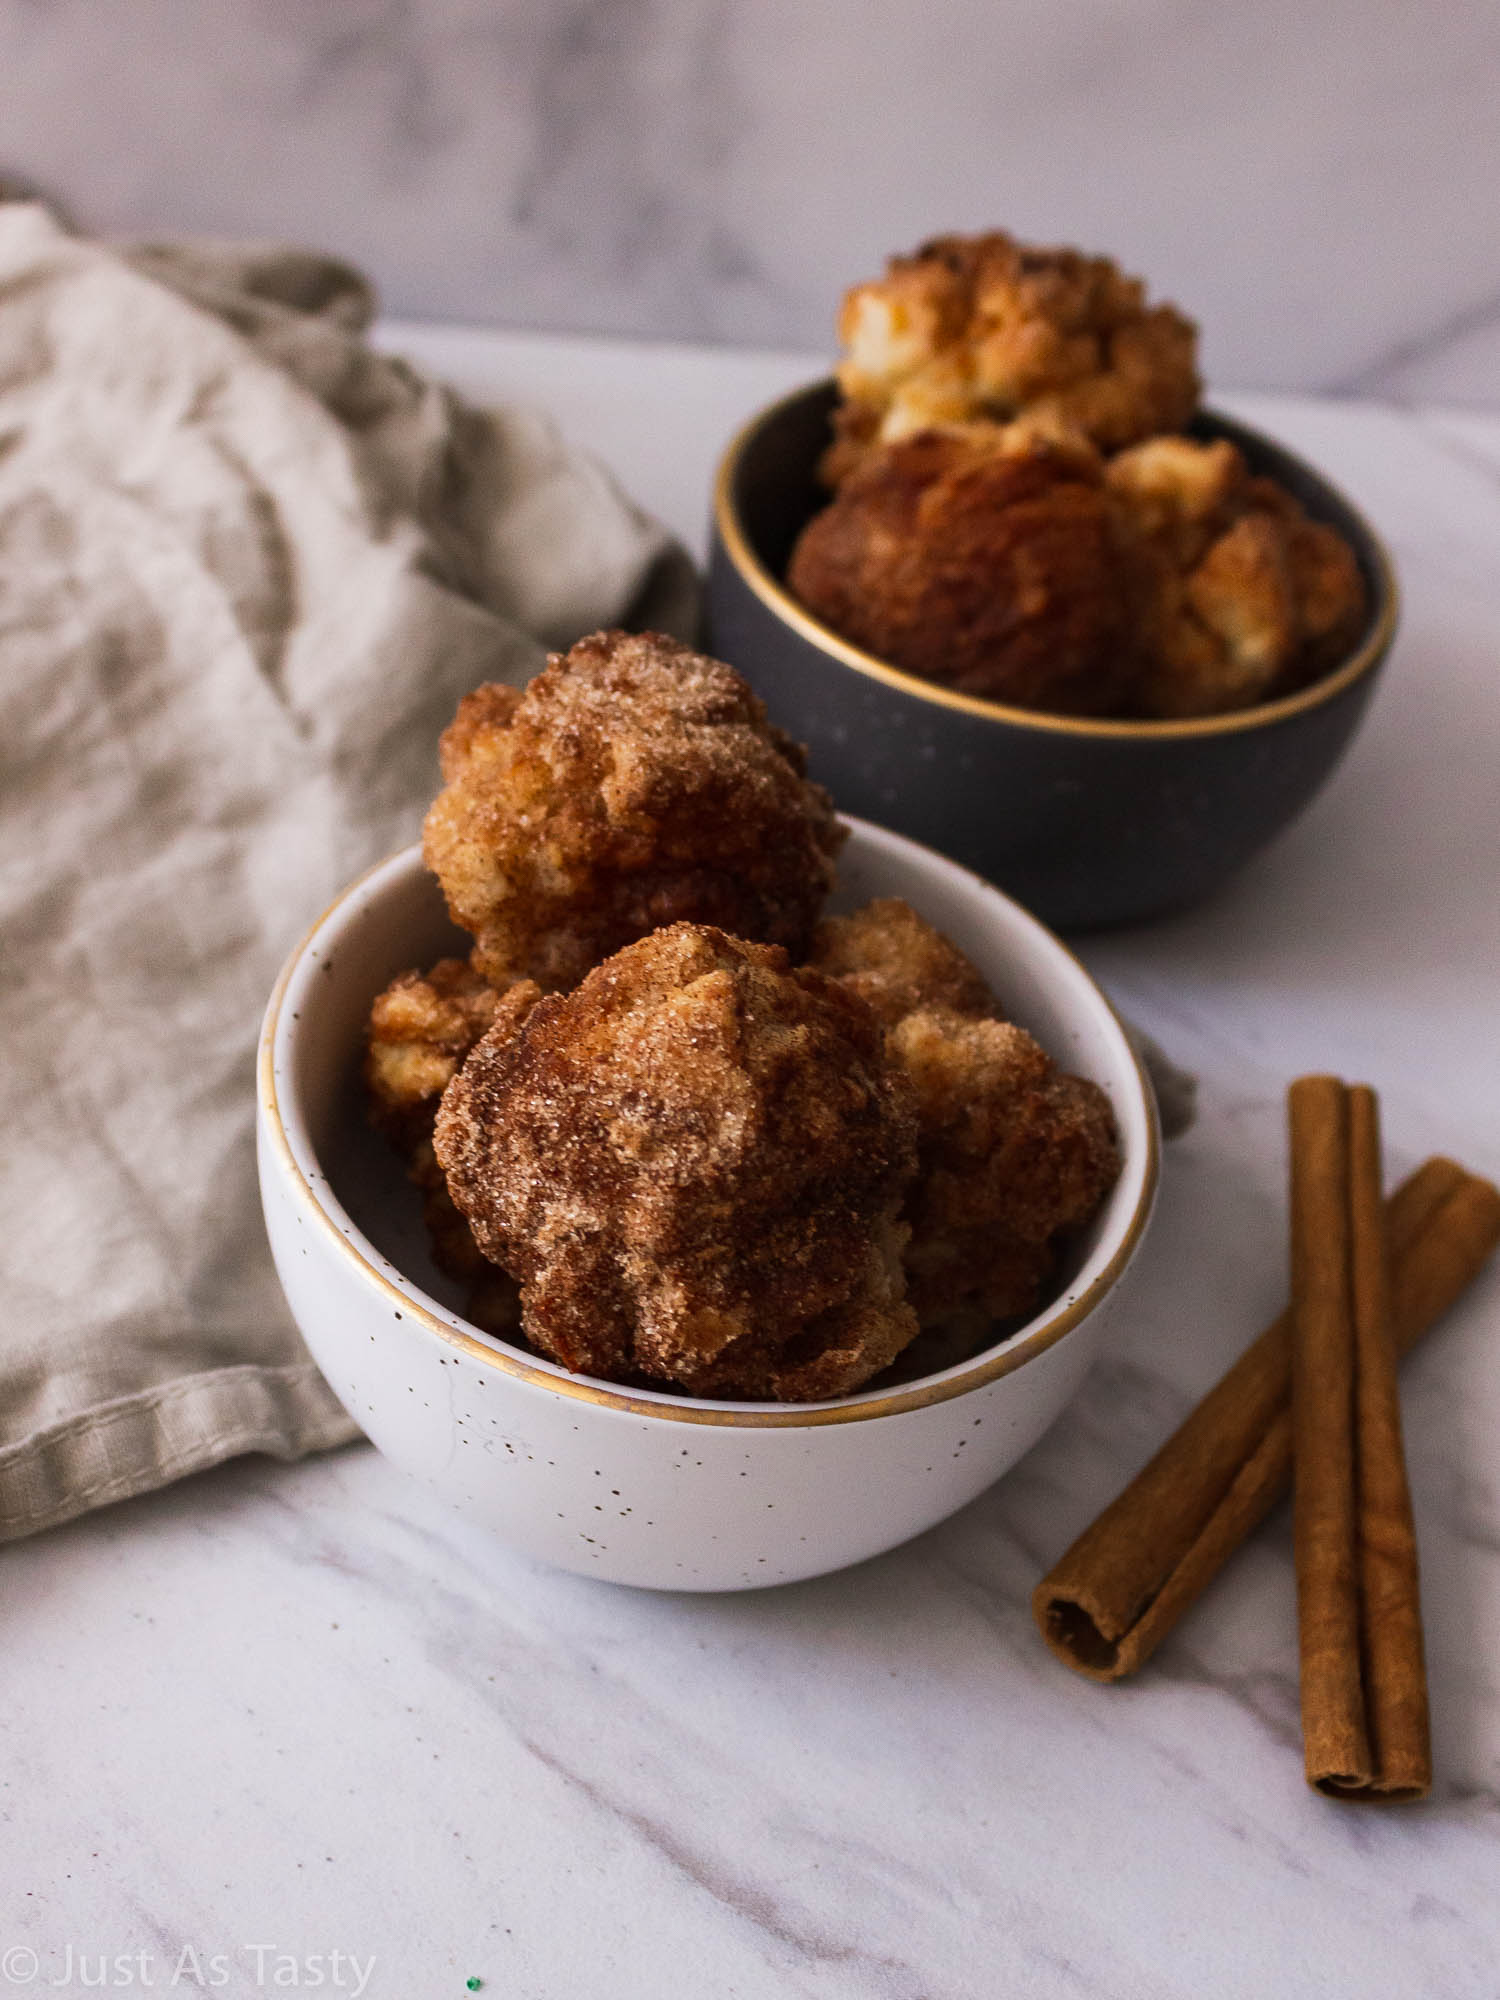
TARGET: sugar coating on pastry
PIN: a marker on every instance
(695, 1163)
(419, 1030)
(983, 329)
(492, 1298)
(633, 784)
(486, 708)
(1013, 1155)
(996, 567)
(896, 961)
(1250, 598)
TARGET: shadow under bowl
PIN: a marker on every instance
(1086, 821)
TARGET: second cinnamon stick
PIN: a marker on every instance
(1324, 1526)
(1364, 1689)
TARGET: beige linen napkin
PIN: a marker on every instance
(247, 567)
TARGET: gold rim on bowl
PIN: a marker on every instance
(778, 599)
(353, 1244)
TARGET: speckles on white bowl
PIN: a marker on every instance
(650, 1488)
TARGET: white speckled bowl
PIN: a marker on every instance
(668, 1491)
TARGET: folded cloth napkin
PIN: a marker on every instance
(247, 567)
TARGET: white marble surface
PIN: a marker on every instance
(304, 1709)
(1311, 178)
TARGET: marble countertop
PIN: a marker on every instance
(1307, 182)
(278, 1713)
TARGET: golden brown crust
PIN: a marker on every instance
(1182, 587)
(492, 706)
(896, 962)
(1179, 494)
(695, 1163)
(1251, 598)
(1013, 1156)
(1164, 582)
(980, 330)
(997, 569)
(419, 1031)
(492, 1297)
(634, 784)
(1332, 603)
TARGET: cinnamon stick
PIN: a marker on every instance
(1325, 1528)
(1116, 1593)
(1395, 1670)
(1364, 1685)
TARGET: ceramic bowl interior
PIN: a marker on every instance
(394, 919)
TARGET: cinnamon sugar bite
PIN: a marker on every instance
(1013, 1155)
(663, 1152)
(1018, 514)
(419, 1031)
(1247, 597)
(977, 331)
(695, 1164)
(633, 784)
(896, 962)
(989, 563)
(1164, 582)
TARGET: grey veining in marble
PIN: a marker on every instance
(1313, 182)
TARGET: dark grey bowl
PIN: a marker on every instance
(1087, 822)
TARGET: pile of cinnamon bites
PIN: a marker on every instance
(1018, 513)
(671, 1124)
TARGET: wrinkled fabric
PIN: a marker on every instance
(247, 567)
